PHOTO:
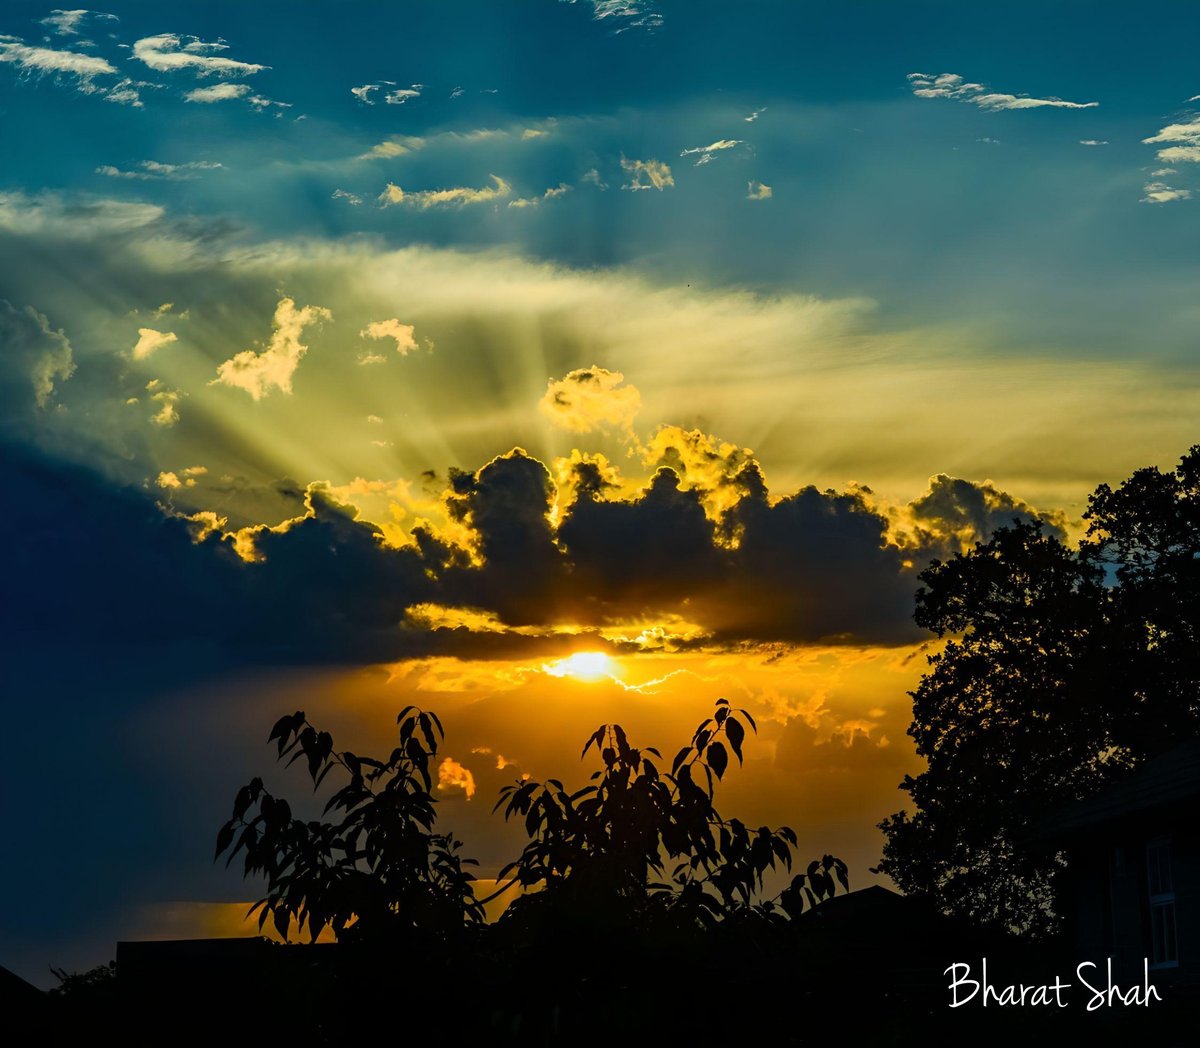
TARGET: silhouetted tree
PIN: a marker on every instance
(1063, 669)
(374, 870)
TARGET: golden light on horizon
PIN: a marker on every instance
(588, 666)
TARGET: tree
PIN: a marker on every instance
(375, 871)
(601, 852)
(1063, 668)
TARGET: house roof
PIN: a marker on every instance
(1171, 778)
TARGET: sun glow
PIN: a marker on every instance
(583, 665)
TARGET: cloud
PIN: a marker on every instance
(458, 197)
(218, 93)
(364, 91)
(758, 191)
(149, 340)
(400, 95)
(553, 193)
(655, 173)
(951, 85)
(393, 147)
(170, 53)
(1182, 141)
(273, 367)
(622, 15)
(126, 92)
(1161, 193)
(33, 357)
(592, 177)
(67, 23)
(755, 115)
(169, 480)
(350, 198)
(591, 398)
(452, 775)
(367, 359)
(153, 171)
(167, 399)
(402, 333)
(705, 154)
(45, 61)
(1092, 142)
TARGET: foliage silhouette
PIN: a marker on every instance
(377, 870)
(1064, 668)
(374, 870)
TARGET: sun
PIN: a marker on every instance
(583, 665)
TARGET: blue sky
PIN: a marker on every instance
(275, 278)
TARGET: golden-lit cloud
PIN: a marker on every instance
(393, 329)
(591, 398)
(259, 372)
(647, 174)
(150, 340)
(459, 196)
(452, 775)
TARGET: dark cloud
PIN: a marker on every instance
(33, 359)
(89, 559)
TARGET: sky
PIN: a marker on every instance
(364, 354)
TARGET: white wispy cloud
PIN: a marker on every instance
(47, 61)
(169, 53)
(218, 93)
(273, 368)
(398, 96)
(622, 15)
(127, 92)
(755, 115)
(592, 177)
(704, 154)
(1181, 141)
(153, 171)
(396, 146)
(350, 198)
(460, 196)
(1161, 193)
(951, 85)
(647, 174)
(1092, 142)
(67, 23)
(758, 191)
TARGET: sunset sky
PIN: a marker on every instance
(364, 354)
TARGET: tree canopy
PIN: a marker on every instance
(1061, 668)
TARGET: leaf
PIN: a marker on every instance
(680, 757)
(735, 733)
(718, 758)
(224, 839)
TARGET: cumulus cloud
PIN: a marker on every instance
(647, 174)
(33, 356)
(149, 340)
(167, 401)
(591, 398)
(705, 154)
(1161, 193)
(951, 85)
(393, 329)
(273, 368)
(153, 171)
(758, 191)
(460, 196)
(170, 53)
(452, 775)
